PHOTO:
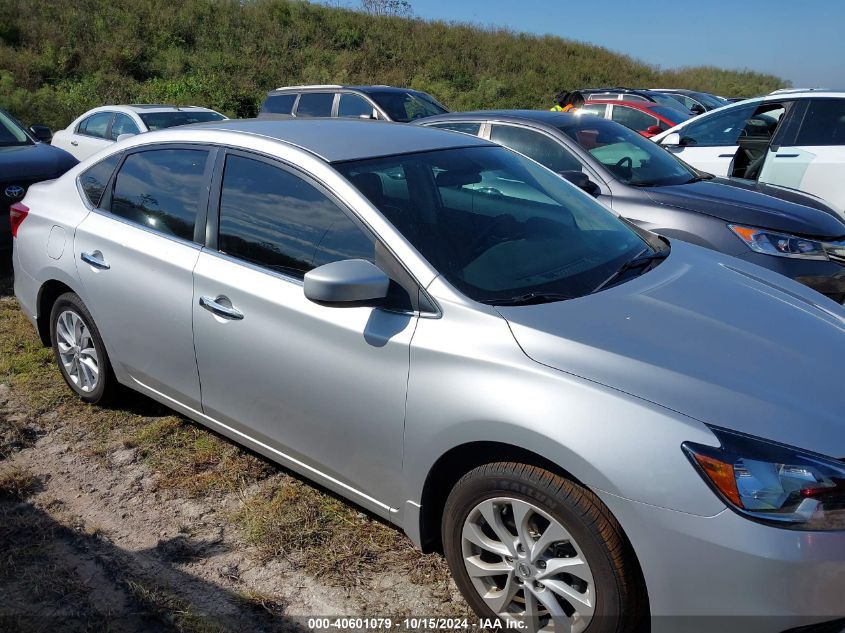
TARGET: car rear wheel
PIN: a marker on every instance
(79, 350)
(527, 545)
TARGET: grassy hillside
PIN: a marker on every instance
(58, 58)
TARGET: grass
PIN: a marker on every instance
(327, 537)
(17, 484)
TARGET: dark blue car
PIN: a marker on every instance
(24, 160)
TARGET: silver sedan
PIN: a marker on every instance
(598, 426)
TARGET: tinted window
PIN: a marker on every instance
(497, 225)
(278, 104)
(672, 114)
(122, 124)
(354, 106)
(162, 120)
(95, 179)
(723, 128)
(465, 128)
(315, 104)
(161, 189)
(627, 155)
(406, 106)
(634, 119)
(598, 108)
(275, 219)
(536, 146)
(95, 125)
(824, 123)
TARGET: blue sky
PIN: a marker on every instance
(800, 40)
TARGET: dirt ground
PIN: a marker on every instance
(131, 518)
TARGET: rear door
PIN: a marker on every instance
(91, 135)
(321, 387)
(135, 255)
(811, 156)
(633, 118)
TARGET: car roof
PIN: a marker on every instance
(338, 140)
(372, 88)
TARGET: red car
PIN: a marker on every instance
(649, 119)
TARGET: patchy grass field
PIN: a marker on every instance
(136, 516)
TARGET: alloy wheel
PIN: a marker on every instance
(526, 566)
(77, 352)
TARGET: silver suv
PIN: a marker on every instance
(597, 425)
(385, 103)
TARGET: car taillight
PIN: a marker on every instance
(17, 214)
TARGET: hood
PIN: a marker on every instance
(724, 199)
(32, 162)
(719, 340)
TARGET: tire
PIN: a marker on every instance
(79, 350)
(570, 558)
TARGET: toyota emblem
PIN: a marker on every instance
(14, 191)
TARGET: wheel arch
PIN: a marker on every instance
(47, 295)
(454, 464)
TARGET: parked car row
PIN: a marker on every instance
(552, 349)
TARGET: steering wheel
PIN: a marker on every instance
(625, 165)
(475, 247)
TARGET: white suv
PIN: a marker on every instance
(100, 127)
(792, 138)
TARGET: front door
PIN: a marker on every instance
(322, 387)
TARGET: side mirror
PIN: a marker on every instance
(673, 139)
(349, 282)
(42, 133)
(123, 137)
(653, 130)
(697, 109)
(582, 181)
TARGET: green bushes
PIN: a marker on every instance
(58, 59)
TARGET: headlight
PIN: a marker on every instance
(772, 482)
(779, 244)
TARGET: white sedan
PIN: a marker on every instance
(100, 127)
(791, 138)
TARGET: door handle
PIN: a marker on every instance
(94, 259)
(786, 155)
(219, 309)
(726, 155)
(75, 143)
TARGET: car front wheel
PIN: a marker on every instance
(525, 544)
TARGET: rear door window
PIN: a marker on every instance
(463, 127)
(161, 190)
(94, 179)
(278, 104)
(634, 119)
(95, 125)
(823, 123)
(315, 104)
(536, 146)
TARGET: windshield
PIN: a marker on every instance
(407, 106)
(497, 225)
(11, 133)
(160, 120)
(627, 155)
